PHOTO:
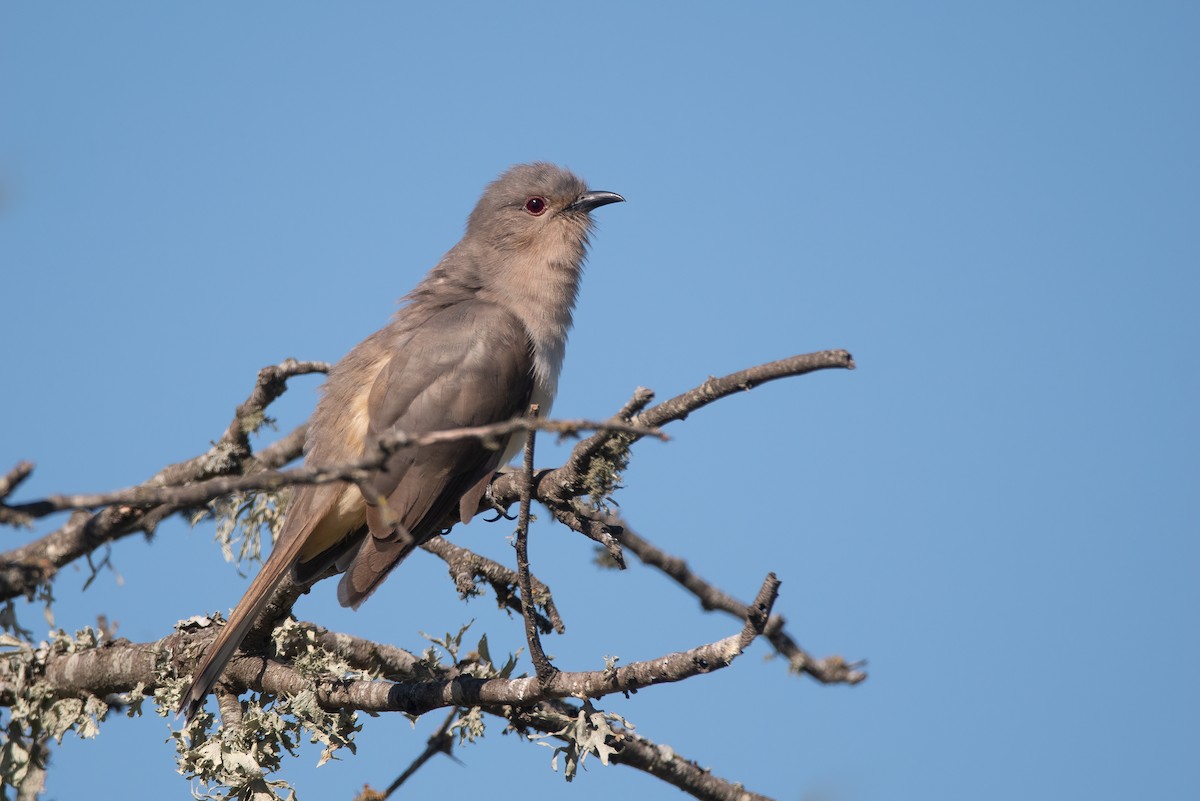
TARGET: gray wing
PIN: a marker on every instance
(467, 365)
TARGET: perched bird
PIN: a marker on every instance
(478, 340)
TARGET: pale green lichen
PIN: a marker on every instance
(37, 712)
(589, 732)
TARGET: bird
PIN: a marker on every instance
(478, 340)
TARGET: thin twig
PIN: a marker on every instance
(27, 566)
(575, 516)
(270, 384)
(569, 480)
(282, 451)
(638, 752)
(120, 667)
(679, 407)
(10, 480)
(197, 494)
(830, 670)
(541, 664)
(34, 563)
(465, 565)
(440, 742)
(582, 454)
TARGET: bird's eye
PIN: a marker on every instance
(535, 205)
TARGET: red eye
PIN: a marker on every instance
(535, 205)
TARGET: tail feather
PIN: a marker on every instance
(231, 636)
(308, 507)
(375, 559)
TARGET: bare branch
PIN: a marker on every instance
(25, 567)
(191, 495)
(541, 663)
(284, 450)
(141, 507)
(440, 742)
(577, 517)
(12, 479)
(231, 452)
(568, 481)
(35, 562)
(679, 407)
(830, 670)
(465, 565)
(271, 383)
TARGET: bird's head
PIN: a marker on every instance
(539, 208)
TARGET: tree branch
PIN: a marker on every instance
(23, 569)
(253, 672)
(196, 494)
(192, 483)
(119, 666)
(130, 509)
(570, 479)
(413, 685)
(643, 754)
(465, 565)
(440, 742)
(830, 670)
(13, 478)
(541, 663)
(679, 407)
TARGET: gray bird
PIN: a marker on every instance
(480, 338)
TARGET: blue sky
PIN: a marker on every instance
(994, 207)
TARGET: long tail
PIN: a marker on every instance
(306, 511)
(231, 636)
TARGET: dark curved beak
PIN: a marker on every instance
(594, 200)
